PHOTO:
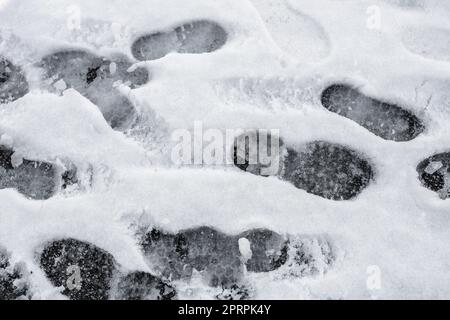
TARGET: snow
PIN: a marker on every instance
(433, 167)
(244, 248)
(266, 76)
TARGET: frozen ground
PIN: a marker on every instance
(268, 70)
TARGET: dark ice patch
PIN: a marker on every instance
(201, 36)
(13, 84)
(388, 121)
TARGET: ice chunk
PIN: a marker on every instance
(60, 85)
(244, 249)
(433, 167)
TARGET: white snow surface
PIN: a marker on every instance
(279, 56)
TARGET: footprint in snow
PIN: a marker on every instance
(418, 41)
(13, 84)
(13, 283)
(434, 174)
(388, 121)
(86, 272)
(299, 35)
(325, 169)
(200, 36)
(203, 249)
(221, 258)
(95, 77)
(35, 179)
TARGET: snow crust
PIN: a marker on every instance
(278, 58)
